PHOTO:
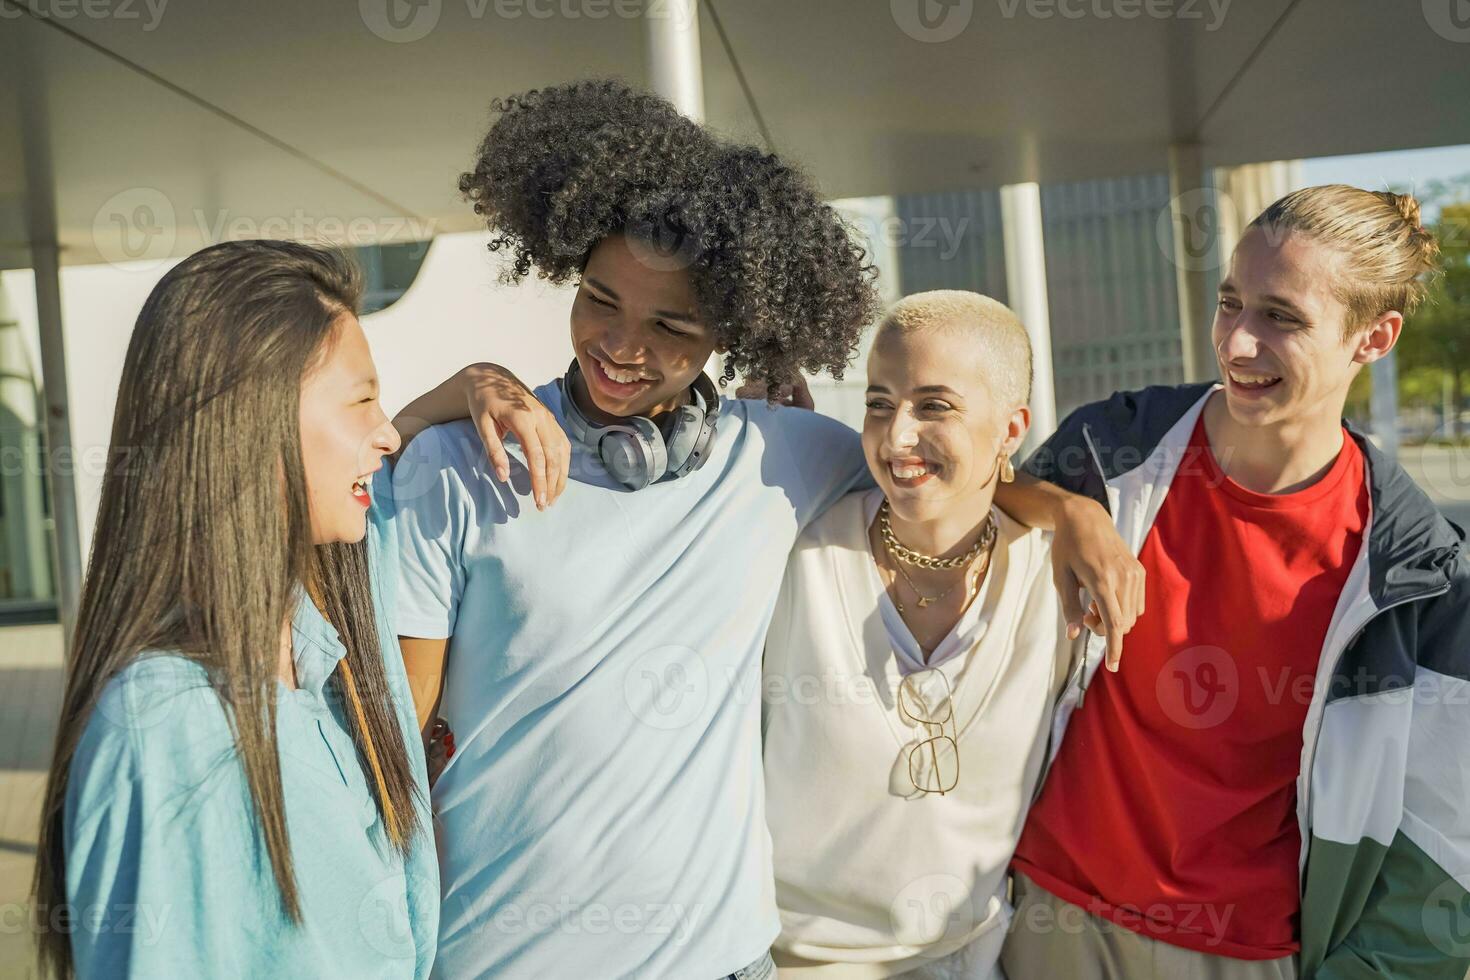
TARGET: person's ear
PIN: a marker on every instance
(1016, 428)
(1379, 338)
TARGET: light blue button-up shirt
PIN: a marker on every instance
(165, 869)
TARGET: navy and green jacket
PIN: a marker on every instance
(1383, 796)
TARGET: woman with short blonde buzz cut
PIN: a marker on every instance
(918, 726)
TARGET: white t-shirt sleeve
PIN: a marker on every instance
(432, 515)
(816, 458)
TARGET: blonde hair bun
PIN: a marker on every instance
(1388, 252)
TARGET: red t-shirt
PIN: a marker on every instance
(1171, 806)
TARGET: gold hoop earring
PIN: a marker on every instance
(1007, 471)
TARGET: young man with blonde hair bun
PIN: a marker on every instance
(1275, 784)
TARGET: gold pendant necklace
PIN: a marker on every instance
(925, 601)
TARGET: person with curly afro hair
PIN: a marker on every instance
(599, 662)
(778, 284)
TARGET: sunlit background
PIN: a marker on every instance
(1089, 163)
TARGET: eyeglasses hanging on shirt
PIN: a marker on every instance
(933, 760)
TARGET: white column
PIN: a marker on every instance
(675, 70)
(60, 459)
(876, 220)
(1383, 405)
(1194, 216)
(46, 261)
(1025, 253)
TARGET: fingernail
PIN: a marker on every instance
(1073, 631)
(449, 754)
(1113, 666)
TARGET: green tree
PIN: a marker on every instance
(1438, 335)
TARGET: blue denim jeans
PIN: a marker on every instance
(763, 968)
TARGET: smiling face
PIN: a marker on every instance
(636, 334)
(344, 434)
(936, 424)
(1279, 332)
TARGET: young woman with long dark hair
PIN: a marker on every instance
(238, 788)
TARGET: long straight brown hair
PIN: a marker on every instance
(198, 551)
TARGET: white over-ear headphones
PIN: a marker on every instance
(638, 451)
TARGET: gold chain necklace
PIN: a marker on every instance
(892, 547)
(891, 542)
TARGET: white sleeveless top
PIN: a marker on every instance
(872, 876)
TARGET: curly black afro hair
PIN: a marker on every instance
(777, 274)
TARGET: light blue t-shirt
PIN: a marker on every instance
(604, 813)
(164, 865)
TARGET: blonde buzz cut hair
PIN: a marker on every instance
(996, 330)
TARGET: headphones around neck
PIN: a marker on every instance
(638, 451)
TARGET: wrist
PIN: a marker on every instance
(1075, 510)
(471, 376)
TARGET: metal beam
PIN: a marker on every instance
(46, 261)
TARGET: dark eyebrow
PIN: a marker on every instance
(688, 318)
(601, 286)
(877, 388)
